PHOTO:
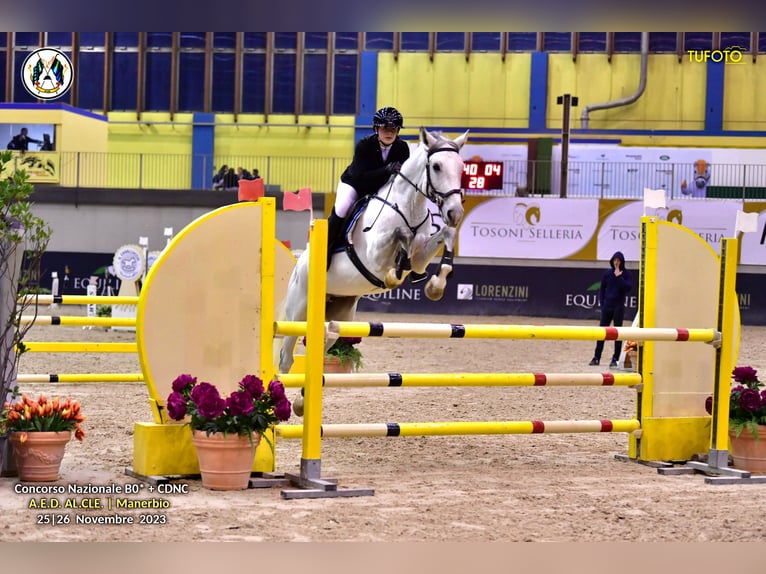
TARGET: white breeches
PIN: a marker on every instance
(345, 196)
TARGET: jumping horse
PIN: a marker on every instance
(389, 237)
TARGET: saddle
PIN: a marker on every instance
(343, 243)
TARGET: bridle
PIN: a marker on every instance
(433, 194)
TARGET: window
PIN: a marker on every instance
(223, 82)
(557, 42)
(97, 39)
(698, 41)
(191, 81)
(124, 80)
(346, 41)
(314, 83)
(90, 80)
(255, 40)
(20, 93)
(26, 39)
(591, 42)
(660, 42)
(761, 42)
(739, 40)
(192, 40)
(315, 41)
(225, 40)
(344, 84)
(283, 85)
(285, 40)
(254, 83)
(58, 39)
(522, 41)
(127, 39)
(415, 41)
(159, 39)
(627, 41)
(485, 41)
(157, 84)
(450, 41)
(379, 40)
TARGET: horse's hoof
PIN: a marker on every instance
(433, 292)
(392, 281)
(298, 406)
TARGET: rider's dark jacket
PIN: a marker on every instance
(367, 172)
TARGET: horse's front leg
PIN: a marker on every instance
(422, 256)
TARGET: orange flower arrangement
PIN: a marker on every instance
(42, 415)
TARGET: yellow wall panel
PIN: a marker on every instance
(744, 107)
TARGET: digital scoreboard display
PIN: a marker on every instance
(481, 175)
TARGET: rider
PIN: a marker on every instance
(376, 157)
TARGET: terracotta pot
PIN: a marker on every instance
(225, 462)
(38, 458)
(747, 452)
(332, 364)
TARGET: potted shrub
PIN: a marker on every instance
(747, 420)
(20, 232)
(347, 355)
(226, 432)
(39, 432)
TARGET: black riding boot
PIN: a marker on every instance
(334, 230)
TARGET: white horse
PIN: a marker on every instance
(390, 238)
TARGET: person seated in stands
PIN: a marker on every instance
(242, 173)
(230, 180)
(256, 175)
(218, 177)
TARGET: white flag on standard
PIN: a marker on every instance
(746, 222)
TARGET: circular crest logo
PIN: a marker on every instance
(47, 73)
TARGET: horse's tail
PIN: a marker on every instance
(276, 347)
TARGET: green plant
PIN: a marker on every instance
(103, 310)
(747, 402)
(345, 350)
(21, 233)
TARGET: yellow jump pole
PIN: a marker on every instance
(63, 347)
(78, 300)
(311, 464)
(268, 282)
(78, 321)
(469, 379)
(465, 428)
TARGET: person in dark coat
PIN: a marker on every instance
(21, 141)
(615, 285)
(376, 158)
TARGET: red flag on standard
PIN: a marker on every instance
(299, 201)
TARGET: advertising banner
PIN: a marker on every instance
(753, 245)
(529, 228)
(556, 292)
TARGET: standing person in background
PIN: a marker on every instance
(615, 285)
(20, 142)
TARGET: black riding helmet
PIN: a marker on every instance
(387, 117)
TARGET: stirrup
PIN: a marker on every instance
(416, 277)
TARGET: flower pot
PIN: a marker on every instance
(747, 452)
(225, 462)
(39, 454)
(333, 364)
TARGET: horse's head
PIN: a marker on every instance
(444, 172)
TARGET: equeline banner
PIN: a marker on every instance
(531, 291)
(592, 229)
(559, 292)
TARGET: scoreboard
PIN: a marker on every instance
(481, 175)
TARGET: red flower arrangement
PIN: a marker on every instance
(249, 409)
